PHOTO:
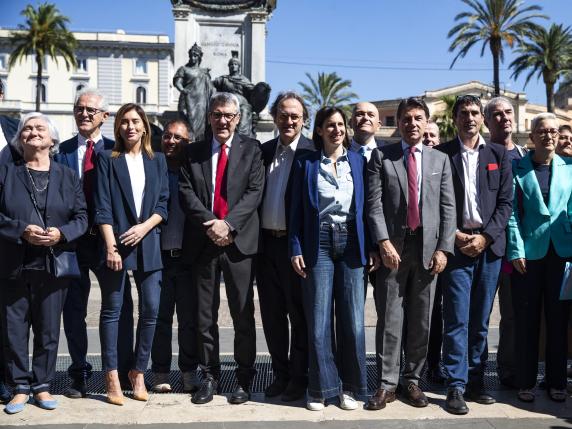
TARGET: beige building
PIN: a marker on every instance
(524, 111)
(125, 67)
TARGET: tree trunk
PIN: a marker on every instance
(550, 97)
(38, 81)
(495, 50)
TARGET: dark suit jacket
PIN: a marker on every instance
(115, 206)
(244, 194)
(65, 210)
(9, 128)
(304, 224)
(495, 189)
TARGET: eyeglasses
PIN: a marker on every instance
(91, 111)
(175, 137)
(228, 116)
(543, 132)
(283, 117)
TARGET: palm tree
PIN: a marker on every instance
(493, 22)
(44, 34)
(328, 89)
(444, 119)
(547, 54)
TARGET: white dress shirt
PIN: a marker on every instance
(3, 141)
(214, 161)
(369, 147)
(137, 177)
(471, 212)
(418, 159)
(273, 206)
(81, 149)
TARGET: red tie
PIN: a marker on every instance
(413, 191)
(88, 173)
(220, 206)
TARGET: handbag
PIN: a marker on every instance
(566, 289)
(62, 264)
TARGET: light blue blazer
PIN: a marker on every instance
(533, 224)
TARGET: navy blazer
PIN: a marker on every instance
(68, 151)
(495, 189)
(9, 127)
(304, 222)
(115, 206)
(65, 210)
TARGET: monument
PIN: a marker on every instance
(228, 29)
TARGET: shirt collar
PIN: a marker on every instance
(82, 141)
(342, 157)
(369, 146)
(480, 145)
(418, 146)
(217, 144)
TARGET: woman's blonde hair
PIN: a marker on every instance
(119, 147)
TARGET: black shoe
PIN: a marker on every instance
(294, 391)
(479, 396)
(455, 404)
(5, 395)
(435, 375)
(76, 390)
(240, 395)
(276, 387)
(205, 393)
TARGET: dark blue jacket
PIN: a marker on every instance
(304, 219)
(115, 206)
(65, 210)
(68, 151)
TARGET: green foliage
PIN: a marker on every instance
(44, 34)
(444, 119)
(494, 23)
(328, 89)
(548, 54)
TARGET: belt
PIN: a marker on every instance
(471, 231)
(337, 226)
(413, 232)
(276, 233)
(173, 253)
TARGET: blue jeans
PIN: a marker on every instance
(469, 288)
(337, 276)
(112, 284)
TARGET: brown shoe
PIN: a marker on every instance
(415, 396)
(380, 398)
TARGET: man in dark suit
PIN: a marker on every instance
(279, 287)
(8, 128)
(411, 215)
(220, 186)
(482, 179)
(80, 153)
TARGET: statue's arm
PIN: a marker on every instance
(178, 79)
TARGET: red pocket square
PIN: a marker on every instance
(492, 167)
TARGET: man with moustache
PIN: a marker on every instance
(220, 188)
(431, 134)
(279, 287)
(79, 153)
(482, 179)
(176, 289)
(499, 119)
(411, 215)
(564, 147)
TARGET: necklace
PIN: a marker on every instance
(34, 183)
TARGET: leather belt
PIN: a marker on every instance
(337, 226)
(276, 233)
(173, 253)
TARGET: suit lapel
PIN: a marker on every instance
(457, 162)
(526, 178)
(357, 177)
(206, 166)
(71, 156)
(150, 176)
(234, 157)
(312, 178)
(54, 185)
(558, 183)
(426, 170)
(485, 159)
(23, 176)
(122, 174)
(398, 163)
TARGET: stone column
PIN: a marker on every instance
(258, 46)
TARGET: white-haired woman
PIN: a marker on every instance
(42, 210)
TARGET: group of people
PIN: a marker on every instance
(435, 227)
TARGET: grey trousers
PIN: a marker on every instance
(407, 292)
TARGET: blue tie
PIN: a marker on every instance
(362, 151)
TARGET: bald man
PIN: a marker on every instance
(365, 123)
(431, 134)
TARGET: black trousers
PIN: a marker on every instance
(541, 282)
(238, 272)
(176, 292)
(436, 331)
(33, 301)
(280, 294)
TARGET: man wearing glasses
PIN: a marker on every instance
(176, 290)
(482, 179)
(220, 189)
(80, 154)
(279, 287)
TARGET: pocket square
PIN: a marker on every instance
(437, 172)
(492, 166)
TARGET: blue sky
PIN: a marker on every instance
(387, 48)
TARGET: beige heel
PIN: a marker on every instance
(113, 388)
(138, 394)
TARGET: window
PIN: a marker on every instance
(81, 65)
(42, 93)
(141, 95)
(79, 87)
(390, 121)
(3, 62)
(140, 66)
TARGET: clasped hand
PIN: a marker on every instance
(219, 232)
(471, 245)
(39, 236)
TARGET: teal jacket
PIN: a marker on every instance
(533, 224)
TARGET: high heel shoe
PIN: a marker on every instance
(113, 388)
(138, 394)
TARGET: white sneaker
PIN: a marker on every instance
(347, 402)
(314, 404)
(161, 380)
(191, 381)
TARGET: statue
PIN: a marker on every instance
(195, 86)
